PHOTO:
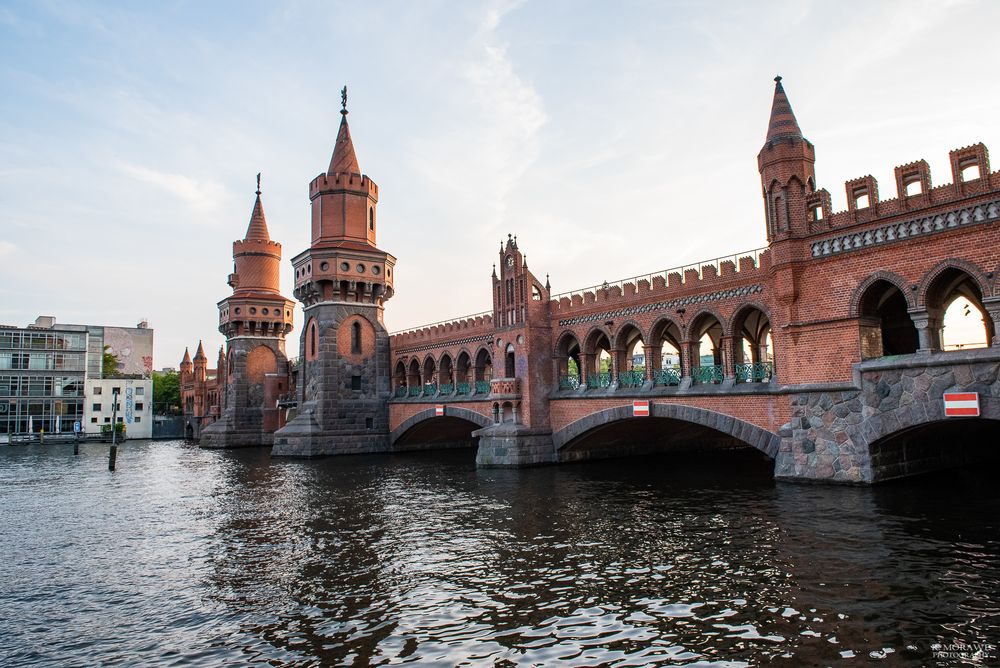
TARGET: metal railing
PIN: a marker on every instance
(670, 375)
(715, 262)
(462, 388)
(598, 380)
(482, 387)
(450, 321)
(754, 373)
(708, 374)
(631, 378)
(569, 382)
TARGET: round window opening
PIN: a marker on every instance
(253, 310)
(324, 266)
(375, 270)
(361, 268)
(344, 266)
(237, 310)
(520, 339)
(265, 313)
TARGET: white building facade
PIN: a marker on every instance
(135, 405)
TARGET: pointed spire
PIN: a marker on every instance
(344, 160)
(782, 124)
(200, 353)
(187, 357)
(257, 229)
(548, 286)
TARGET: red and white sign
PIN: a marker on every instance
(439, 410)
(640, 408)
(961, 404)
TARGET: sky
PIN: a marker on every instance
(614, 139)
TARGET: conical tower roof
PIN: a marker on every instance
(782, 124)
(200, 353)
(344, 160)
(257, 229)
(187, 357)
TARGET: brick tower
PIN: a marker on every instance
(786, 171)
(343, 281)
(255, 320)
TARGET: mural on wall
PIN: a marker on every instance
(134, 349)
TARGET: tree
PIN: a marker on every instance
(109, 364)
(166, 393)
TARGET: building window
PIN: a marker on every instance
(355, 382)
(140, 391)
(107, 419)
(371, 218)
(369, 423)
(121, 420)
(137, 419)
(312, 340)
(139, 406)
(93, 420)
(96, 407)
(356, 337)
(98, 390)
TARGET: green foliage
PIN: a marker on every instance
(119, 428)
(109, 364)
(572, 369)
(167, 393)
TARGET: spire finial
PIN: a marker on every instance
(777, 79)
(343, 100)
(258, 183)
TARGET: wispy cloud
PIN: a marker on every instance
(202, 196)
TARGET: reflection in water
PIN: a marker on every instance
(187, 556)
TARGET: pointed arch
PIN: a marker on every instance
(888, 277)
(973, 271)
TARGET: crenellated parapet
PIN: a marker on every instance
(442, 332)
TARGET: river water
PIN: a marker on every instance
(191, 557)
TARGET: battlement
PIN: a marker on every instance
(469, 325)
(680, 281)
(339, 181)
(257, 246)
(970, 177)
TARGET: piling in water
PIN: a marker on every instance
(112, 456)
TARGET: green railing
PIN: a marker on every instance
(631, 378)
(430, 390)
(415, 392)
(400, 391)
(447, 388)
(754, 373)
(462, 388)
(708, 374)
(482, 387)
(569, 382)
(667, 376)
(598, 380)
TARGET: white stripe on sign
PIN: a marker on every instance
(961, 404)
(439, 410)
(640, 408)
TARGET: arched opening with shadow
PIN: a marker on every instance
(463, 380)
(753, 348)
(954, 300)
(446, 376)
(568, 362)
(670, 429)
(597, 362)
(705, 344)
(665, 341)
(884, 322)
(430, 375)
(413, 378)
(630, 357)
(399, 379)
(428, 431)
(935, 446)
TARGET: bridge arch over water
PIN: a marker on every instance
(622, 434)
(427, 430)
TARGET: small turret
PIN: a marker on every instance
(200, 364)
(186, 366)
(786, 170)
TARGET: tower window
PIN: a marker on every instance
(356, 337)
(369, 423)
(312, 340)
(371, 218)
(356, 383)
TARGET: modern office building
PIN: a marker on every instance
(51, 377)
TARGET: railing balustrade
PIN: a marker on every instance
(754, 372)
(667, 376)
(708, 374)
(569, 382)
(462, 388)
(415, 391)
(598, 379)
(401, 391)
(482, 387)
(447, 388)
(632, 378)
(430, 390)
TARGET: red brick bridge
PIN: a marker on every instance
(824, 350)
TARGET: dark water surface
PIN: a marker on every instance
(190, 557)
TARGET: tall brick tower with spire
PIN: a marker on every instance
(255, 319)
(343, 281)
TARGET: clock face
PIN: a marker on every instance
(510, 260)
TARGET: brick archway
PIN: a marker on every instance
(761, 439)
(430, 414)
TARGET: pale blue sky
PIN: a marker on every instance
(613, 138)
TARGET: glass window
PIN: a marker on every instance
(95, 407)
(140, 391)
(139, 406)
(137, 419)
(6, 360)
(98, 389)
